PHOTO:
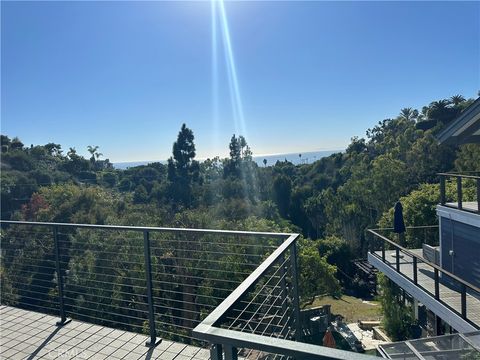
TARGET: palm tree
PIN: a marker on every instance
(441, 111)
(457, 99)
(93, 151)
(439, 105)
(406, 113)
(71, 152)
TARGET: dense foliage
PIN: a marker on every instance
(398, 316)
(331, 201)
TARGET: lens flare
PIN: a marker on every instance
(249, 183)
(215, 117)
(235, 96)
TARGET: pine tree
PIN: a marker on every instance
(183, 170)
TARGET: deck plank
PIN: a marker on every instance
(31, 335)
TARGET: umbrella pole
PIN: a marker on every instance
(401, 239)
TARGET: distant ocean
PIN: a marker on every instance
(306, 158)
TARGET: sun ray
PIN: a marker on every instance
(237, 104)
(215, 111)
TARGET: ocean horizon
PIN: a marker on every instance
(307, 157)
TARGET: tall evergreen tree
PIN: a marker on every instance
(183, 170)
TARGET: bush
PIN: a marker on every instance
(397, 317)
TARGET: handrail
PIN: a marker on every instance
(295, 349)
(425, 261)
(144, 287)
(408, 227)
(148, 228)
(461, 175)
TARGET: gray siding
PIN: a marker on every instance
(464, 240)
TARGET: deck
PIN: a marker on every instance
(425, 278)
(471, 206)
(31, 335)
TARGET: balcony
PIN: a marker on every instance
(168, 293)
(471, 180)
(418, 272)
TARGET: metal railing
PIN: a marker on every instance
(160, 281)
(458, 295)
(272, 330)
(461, 179)
(237, 290)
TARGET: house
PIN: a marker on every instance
(444, 279)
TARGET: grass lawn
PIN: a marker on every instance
(351, 308)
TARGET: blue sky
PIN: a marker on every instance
(126, 75)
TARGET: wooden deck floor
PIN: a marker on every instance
(31, 335)
(425, 278)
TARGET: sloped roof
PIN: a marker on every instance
(465, 128)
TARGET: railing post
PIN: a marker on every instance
(367, 242)
(397, 256)
(478, 196)
(437, 285)
(415, 278)
(216, 352)
(296, 300)
(61, 300)
(383, 251)
(464, 301)
(148, 277)
(231, 352)
(459, 192)
(442, 190)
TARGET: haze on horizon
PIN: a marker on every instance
(309, 75)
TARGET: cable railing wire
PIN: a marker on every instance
(101, 274)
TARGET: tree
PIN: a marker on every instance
(265, 162)
(314, 210)
(468, 158)
(240, 172)
(232, 165)
(317, 277)
(457, 99)
(282, 189)
(442, 111)
(140, 195)
(54, 149)
(407, 113)
(75, 163)
(93, 150)
(16, 144)
(5, 142)
(183, 170)
(397, 316)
